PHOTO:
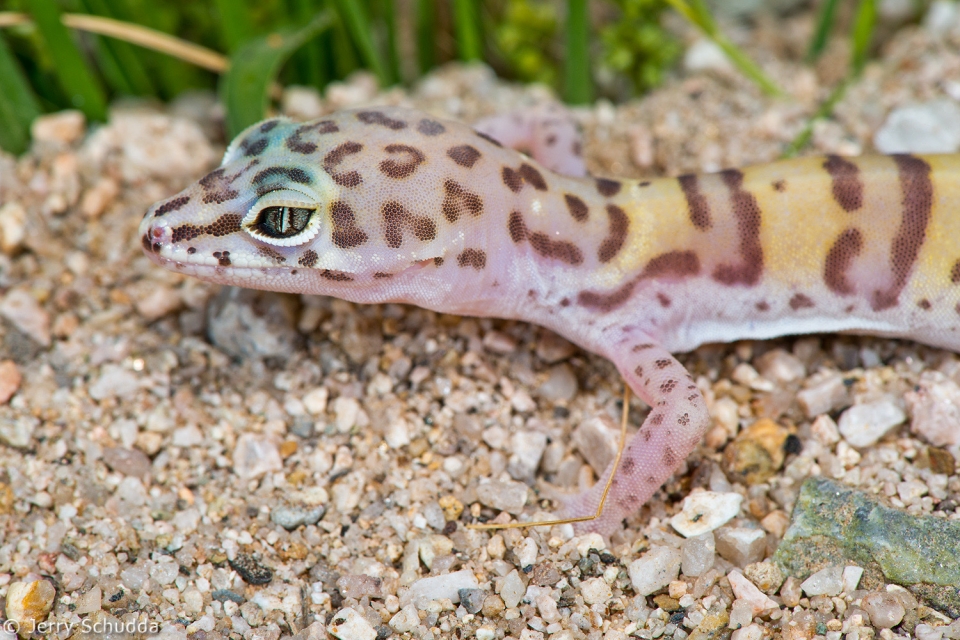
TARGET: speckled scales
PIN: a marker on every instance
(409, 208)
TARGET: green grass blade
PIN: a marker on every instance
(18, 104)
(78, 81)
(235, 25)
(389, 11)
(466, 19)
(245, 88)
(578, 86)
(863, 25)
(355, 19)
(426, 29)
(825, 21)
(824, 111)
(129, 73)
(696, 12)
(313, 66)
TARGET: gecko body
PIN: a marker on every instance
(391, 205)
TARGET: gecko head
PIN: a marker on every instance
(287, 210)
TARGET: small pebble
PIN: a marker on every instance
(551, 348)
(407, 619)
(766, 575)
(790, 592)
(698, 554)
(824, 393)
(64, 127)
(315, 400)
(654, 570)
(26, 314)
(160, 301)
(10, 379)
(129, 462)
(748, 592)
(864, 424)
(472, 599)
(826, 582)
(292, 517)
(13, 221)
(851, 578)
(560, 385)
(931, 127)
(740, 545)
(512, 589)
(499, 342)
(503, 495)
(255, 455)
(18, 432)
(357, 586)
(595, 591)
(348, 624)
(749, 632)
(528, 448)
(704, 511)
(447, 585)
(251, 571)
(597, 440)
(28, 603)
(934, 406)
(885, 609)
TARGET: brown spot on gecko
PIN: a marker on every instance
(697, 204)
(397, 218)
(308, 258)
(662, 363)
(252, 148)
(378, 117)
(516, 227)
(668, 386)
(267, 252)
(627, 465)
(655, 419)
(438, 261)
(748, 216)
(380, 275)
(472, 258)
(617, 234)
(607, 188)
(847, 186)
(577, 148)
(457, 201)
(677, 264)
(430, 127)
(607, 301)
(216, 184)
(577, 207)
(512, 179)
(489, 139)
(346, 233)
(295, 174)
(335, 157)
(296, 144)
(565, 302)
(532, 177)
(223, 257)
(779, 185)
(410, 159)
(645, 183)
(171, 205)
(955, 272)
(336, 276)
(268, 126)
(924, 304)
(663, 299)
(561, 250)
(763, 305)
(145, 242)
(801, 301)
(670, 458)
(639, 371)
(225, 224)
(839, 258)
(464, 155)
(191, 250)
(917, 191)
(642, 347)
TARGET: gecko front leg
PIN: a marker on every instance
(677, 421)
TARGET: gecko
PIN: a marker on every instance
(386, 204)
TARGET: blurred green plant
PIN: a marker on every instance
(637, 46)
(57, 54)
(524, 38)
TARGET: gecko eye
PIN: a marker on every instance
(282, 222)
(283, 218)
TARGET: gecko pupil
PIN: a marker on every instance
(283, 222)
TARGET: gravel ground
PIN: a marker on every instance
(210, 463)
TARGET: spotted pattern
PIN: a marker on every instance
(801, 301)
(335, 156)
(336, 276)
(578, 208)
(409, 158)
(308, 258)
(464, 155)
(839, 259)
(298, 145)
(955, 272)
(224, 225)
(397, 219)
(561, 250)
(171, 205)
(217, 187)
(252, 148)
(346, 234)
(223, 258)
(697, 205)
(430, 127)
(380, 118)
(616, 234)
(526, 174)
(458, 201)
(607, 187)
(472, 258)
(917, 201)
(747, 214)
(847, 187)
